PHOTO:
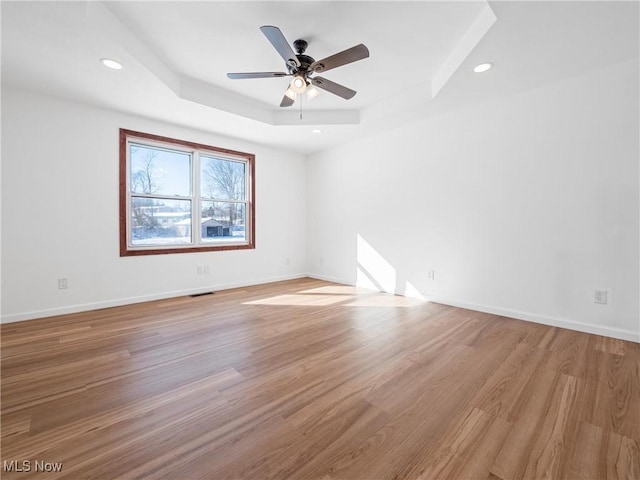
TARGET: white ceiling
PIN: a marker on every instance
(176, 56)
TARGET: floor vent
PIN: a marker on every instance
(201, 294)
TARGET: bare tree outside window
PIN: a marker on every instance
(144, 179)
(224, 180)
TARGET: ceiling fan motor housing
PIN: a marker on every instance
(300, 46)
(305, 60)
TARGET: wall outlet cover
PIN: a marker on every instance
(600, 296)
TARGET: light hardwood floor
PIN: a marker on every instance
(309, 379)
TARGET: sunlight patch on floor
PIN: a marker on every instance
(369, 299)
(301, 300)
(340, 290)
(386, 301)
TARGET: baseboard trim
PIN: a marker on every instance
(84, 307)
(612, 332)
(328, 278)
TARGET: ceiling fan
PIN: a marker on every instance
(303, 67)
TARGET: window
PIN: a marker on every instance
(167, 186)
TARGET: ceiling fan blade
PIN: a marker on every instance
(349, 55)
(286, 101)
(275, 36)
(333, 87)
(236, 76)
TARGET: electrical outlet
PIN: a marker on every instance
(202, 269)
(600, 296)
(431, 274)
(321, 261)
(62, 284)
(287, 261)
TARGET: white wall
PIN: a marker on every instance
(522, 206)
(60, 214)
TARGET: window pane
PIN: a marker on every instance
(158, 171)
(222, 179)
(223, 222)
(160, 222)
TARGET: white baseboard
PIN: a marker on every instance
(50, 312)
(328, 278)
(613, 332)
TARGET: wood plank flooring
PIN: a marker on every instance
(307, 379)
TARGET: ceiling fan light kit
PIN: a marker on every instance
(312, 92)
(303, 67)
(298, 84)
(290, 94)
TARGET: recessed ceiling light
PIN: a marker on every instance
(316, 130)
(107, 62)
(483, 67)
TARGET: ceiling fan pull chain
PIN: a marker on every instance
(300, 97)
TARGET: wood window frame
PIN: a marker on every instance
(127, 249)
